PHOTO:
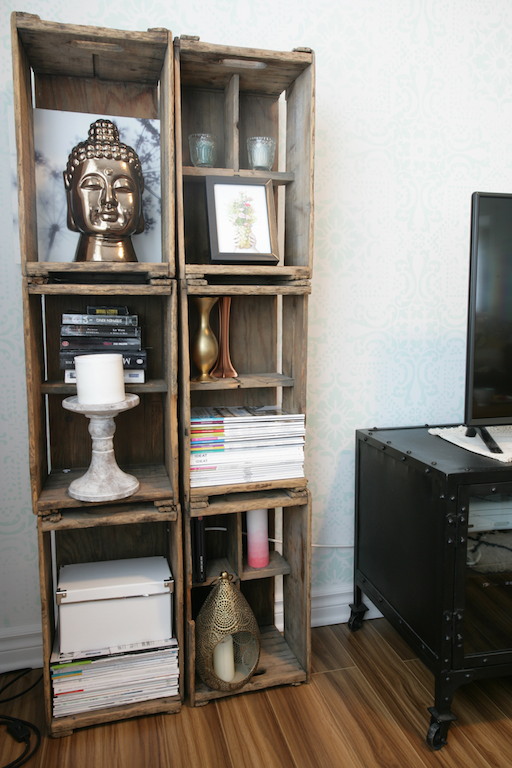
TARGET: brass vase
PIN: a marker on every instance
(205, 347)
(224, 368)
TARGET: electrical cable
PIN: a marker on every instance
(278, 541)
(21, 673)
(20, 730)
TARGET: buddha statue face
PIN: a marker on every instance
(105, 198)
(104, 187)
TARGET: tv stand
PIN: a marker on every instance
(415, 508)
(489, 441)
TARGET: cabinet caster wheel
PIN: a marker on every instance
(355, 622)
(357, 612)
(436, 735)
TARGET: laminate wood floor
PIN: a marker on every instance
(366, 707)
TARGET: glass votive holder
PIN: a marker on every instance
(261, 151)
(202, 149)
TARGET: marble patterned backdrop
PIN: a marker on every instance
(413, 113)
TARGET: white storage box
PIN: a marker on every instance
(114, 602)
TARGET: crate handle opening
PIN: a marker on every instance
(96, 46)
(243, 64)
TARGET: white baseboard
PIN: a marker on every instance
(21, 647)
(331, 605)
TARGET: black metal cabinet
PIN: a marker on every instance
(433, 551)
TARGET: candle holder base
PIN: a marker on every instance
(104, 480)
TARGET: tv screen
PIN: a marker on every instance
(489, 342)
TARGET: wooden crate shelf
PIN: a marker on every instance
(93, 71)
(147, 436)
(133, 531)
(189, 86)
(285, 656)
(236, 93)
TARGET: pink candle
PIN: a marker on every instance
(257, 538)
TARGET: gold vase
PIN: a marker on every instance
(205, 347)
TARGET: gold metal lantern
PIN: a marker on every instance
(227, 638)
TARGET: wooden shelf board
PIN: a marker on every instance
(194, 270)
(154, 486)
(244, 501)
(277, 566)
(127, 56)
(99, 289)
(117, 514)
(60, 388)
(61, 726)
(43, 268)
(190, 173)
(293, 288)
(298, 483)
(246, 381)
(277, 666)
(260, 71)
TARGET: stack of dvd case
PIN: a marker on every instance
(100, 330)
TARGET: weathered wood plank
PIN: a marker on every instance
(87, 52)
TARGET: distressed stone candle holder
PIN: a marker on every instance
(104, 480)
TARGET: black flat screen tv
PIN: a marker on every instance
(488, 397)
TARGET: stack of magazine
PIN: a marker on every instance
(103, 329)
(245, 444)
(113, 677)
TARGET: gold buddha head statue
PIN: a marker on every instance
(104, 185)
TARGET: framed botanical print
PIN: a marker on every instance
(241, 220)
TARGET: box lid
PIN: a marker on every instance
(107, 579)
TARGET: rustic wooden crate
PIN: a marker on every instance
(99, 71)
(130, 530)
(92, 70)
(235, 93)
(268, 345)
(285, 656)
(146, 437)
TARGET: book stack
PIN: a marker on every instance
(114, 677)
(243, 445)
(103, 329)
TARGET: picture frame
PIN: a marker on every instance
(241, 220)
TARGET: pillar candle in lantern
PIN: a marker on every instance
(99, 379)
(257, 538)
(224, 659)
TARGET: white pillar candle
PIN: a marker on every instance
(257, 538)
(224, 659)
(99, 379)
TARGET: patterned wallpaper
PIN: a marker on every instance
(414, 107)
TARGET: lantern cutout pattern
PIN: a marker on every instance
(227, 638)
